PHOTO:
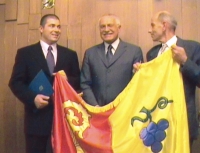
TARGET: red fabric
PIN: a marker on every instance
(96, 138)
(61, 138)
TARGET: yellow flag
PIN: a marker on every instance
(148, 116)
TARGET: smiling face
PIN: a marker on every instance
(50, 31)
(109, 29)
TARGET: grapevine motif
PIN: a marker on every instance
(153, 135)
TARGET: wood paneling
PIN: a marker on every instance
(23, 11)
(2, 52)
(19, 23)
(34, 21)
(2, 1)
(35, 6)
(11, 10)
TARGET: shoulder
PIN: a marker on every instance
(94, 48)
(65, 50)
(153, 49)
(29, 48)
(130, 48)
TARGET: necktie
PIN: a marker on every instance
(50, 60)
(164, 46)
(109, 54)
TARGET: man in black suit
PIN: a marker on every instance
(28, 62)
(186, 53)
(107, 69)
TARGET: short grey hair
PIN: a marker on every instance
(117, 20)
(165, 16)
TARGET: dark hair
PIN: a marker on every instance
(45, 17)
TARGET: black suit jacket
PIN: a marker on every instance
(101, 82)
(191, 78)
(28, 62)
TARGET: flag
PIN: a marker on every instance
(148, 116)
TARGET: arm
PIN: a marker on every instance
(74, 77)
(190, 64)
(86, 82)
(19, 82)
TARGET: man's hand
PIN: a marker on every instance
(41, 101)
(63, 75)
(136, 67)
(179, 54)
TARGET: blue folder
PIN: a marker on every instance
(41, 85)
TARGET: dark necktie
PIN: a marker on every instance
(50, 60)
(109, 54)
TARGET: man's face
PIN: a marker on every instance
(50, 32)
(109, 29)
(157, 30)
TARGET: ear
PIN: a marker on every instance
(165, 25)
(41, 29)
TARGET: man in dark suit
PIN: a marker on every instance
(186, 53)
(107, 69)
(29, 61)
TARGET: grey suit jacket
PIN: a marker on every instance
(101, 82)
(191, 78)
(28, 62)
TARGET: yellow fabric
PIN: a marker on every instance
(155, 79)
(158, 79)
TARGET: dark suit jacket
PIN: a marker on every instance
(28, 62)
(102, 82)
(191, 78)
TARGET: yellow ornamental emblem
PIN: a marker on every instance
(77, 117)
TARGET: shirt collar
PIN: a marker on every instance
(114, 44)
(45, 46)
(171, 41)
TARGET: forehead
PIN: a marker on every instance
(154, 20)
(52, 21)
(107, 20)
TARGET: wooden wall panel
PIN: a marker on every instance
(2, 51)
(23, 11)
(63, 38)
(33, 36)
(11, 10)
(143, 24)
(198, 19)
(89, 23)
(10, 102)
(61, 9)
(2, 1)
(34, 21)
(2, 127)
(22, 35)
(189, 14)
(35, 6)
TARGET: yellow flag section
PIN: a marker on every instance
(150, 114)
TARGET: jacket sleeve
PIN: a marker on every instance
(18, 82)
(86, 82)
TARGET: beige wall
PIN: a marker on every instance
(19, 20)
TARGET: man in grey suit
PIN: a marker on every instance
(108, 67)
(28, 62)
(186, 53)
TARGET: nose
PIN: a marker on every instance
(150, 30)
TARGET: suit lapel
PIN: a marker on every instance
(38, 55)
(101, 52)
(180, 42)
(121, 49)
(60, 58)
